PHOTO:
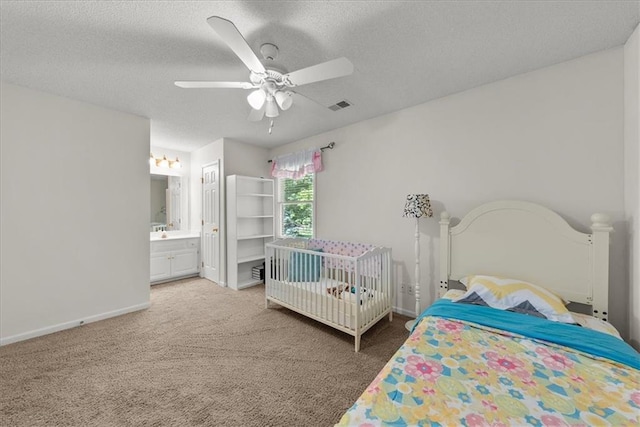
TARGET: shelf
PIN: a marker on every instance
(255, 195)
(257, 179)
(256, 236)
(250, 224)
(247, 283)
(250, 258)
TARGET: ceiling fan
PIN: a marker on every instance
(270, 87)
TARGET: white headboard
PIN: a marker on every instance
(527, 241)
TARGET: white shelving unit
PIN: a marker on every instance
(250, 225)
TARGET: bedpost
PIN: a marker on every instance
(445, 220)
(601, 228)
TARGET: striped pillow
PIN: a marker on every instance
(514, 295)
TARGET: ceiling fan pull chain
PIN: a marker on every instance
(270, 126)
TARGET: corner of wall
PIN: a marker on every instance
(632, 177)
(245, 159)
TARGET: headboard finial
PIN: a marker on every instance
(445, 217)
(601, 222)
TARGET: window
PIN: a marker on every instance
(296, 206)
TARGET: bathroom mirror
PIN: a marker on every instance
(166, 196)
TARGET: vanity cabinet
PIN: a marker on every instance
(173, 258)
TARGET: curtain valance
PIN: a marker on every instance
(297, 165)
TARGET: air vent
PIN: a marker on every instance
(340, 105)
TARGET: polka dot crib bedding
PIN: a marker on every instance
(457, 372)
(342, 284)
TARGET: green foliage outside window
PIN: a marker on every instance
(296, 197)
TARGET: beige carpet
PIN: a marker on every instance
(201, 355)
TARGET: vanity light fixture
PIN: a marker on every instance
(164, 162)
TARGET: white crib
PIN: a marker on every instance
(344, 285)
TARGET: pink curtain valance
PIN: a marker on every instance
(297, 165)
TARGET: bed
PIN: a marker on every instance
(469, 362)
(341, 284)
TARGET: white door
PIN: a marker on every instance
(211, 222)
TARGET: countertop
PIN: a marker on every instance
(175, 235)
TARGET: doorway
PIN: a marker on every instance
(211, 222)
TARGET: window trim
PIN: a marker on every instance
(280, 204)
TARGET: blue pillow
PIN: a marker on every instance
(305, 267)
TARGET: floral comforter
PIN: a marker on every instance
(452, 372)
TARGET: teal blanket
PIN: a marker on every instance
(572, 336)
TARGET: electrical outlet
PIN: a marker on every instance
(410, 289)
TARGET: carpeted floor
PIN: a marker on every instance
(201, 355)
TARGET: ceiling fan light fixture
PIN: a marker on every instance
(256, 99)
(269, 87)
(271, 109)
(284, 99)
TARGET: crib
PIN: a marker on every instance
(344, 285)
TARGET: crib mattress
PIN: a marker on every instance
(323, 299)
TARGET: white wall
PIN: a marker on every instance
(632, 176)
(75, 235)
(553, 136)
(245, 159)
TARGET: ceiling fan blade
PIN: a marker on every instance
(327, 70)
(230, 34)
(256, 115)
(214, 85)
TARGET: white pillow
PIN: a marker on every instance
(596, 324)
(453, 294)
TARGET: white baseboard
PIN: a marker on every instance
(404, 312)
(175, 278)
(219, 282)
(72, 324)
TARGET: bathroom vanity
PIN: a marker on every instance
(175, 256)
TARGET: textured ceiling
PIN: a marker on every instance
(125, 55)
